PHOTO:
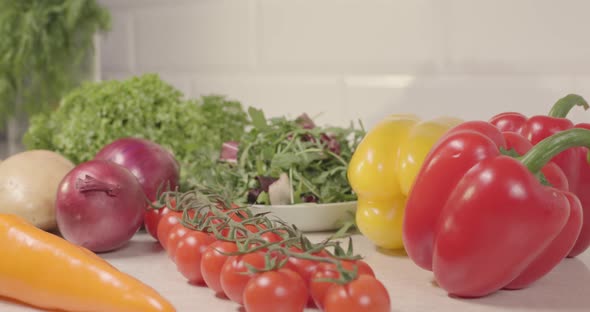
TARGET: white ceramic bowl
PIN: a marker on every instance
(311, 217)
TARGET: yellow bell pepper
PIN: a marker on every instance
(383, 168)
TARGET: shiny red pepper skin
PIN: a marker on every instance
(487, 222)
(573, 162)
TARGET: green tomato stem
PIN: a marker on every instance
(207, 211)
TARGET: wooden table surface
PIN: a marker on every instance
(566, 288)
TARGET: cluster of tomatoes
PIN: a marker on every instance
(262, 264)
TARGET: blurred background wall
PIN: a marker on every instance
(349, 59)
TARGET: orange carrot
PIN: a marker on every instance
(43, 270)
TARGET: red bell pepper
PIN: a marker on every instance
(482, 220)
(572, 161)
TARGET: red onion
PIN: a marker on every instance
(153, 165)
(99, 205)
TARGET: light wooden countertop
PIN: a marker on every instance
(566, 288)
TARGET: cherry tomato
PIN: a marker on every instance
(165, 225)
(151, 218)
(237, 215)
(281, 290)
(271, 237)
(221, 228)
(304, 267)
(189, 252)
(235, 276)
(222, 205)
(365, 293)
(174, 235)
(319, 289)
(212, 261)
(361, 266)
(252, 228)
(224, 230)
(267, 237)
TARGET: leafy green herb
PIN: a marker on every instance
(96, 114)
(43, 49)
(315, 159)
(258, 119)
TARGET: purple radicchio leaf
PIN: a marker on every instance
(264, 185)
(229, 152)
(331, 142)
(305, 121)
(265, 182)
(309, 198)
(253, 195)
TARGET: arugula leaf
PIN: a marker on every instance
(315, 159)
(263, 198)
(258, 119)
(284, 161)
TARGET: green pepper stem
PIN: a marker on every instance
(563, 106)
(537, 157)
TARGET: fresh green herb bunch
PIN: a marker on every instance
(96, 114)
(43, 49)
(314, 158)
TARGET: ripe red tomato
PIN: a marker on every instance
(165, 225)
(222, 228)
(267, 237)
(281, 290)
(271, 237)
(319, 289)
(189, 252)
(221, 205)
(251, 228)
(151, 218)
(304, 267)
(174, 235)
(361, 266)
(365, 293)
(235, 276)
(239, 216)
(212, 261)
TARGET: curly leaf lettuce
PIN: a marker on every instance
(96, 114)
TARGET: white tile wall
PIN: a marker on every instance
(117, 53)
(519, 36)
(290, 95)
(350, 35)
(351, 59)
(193, 36)
(467, 97)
